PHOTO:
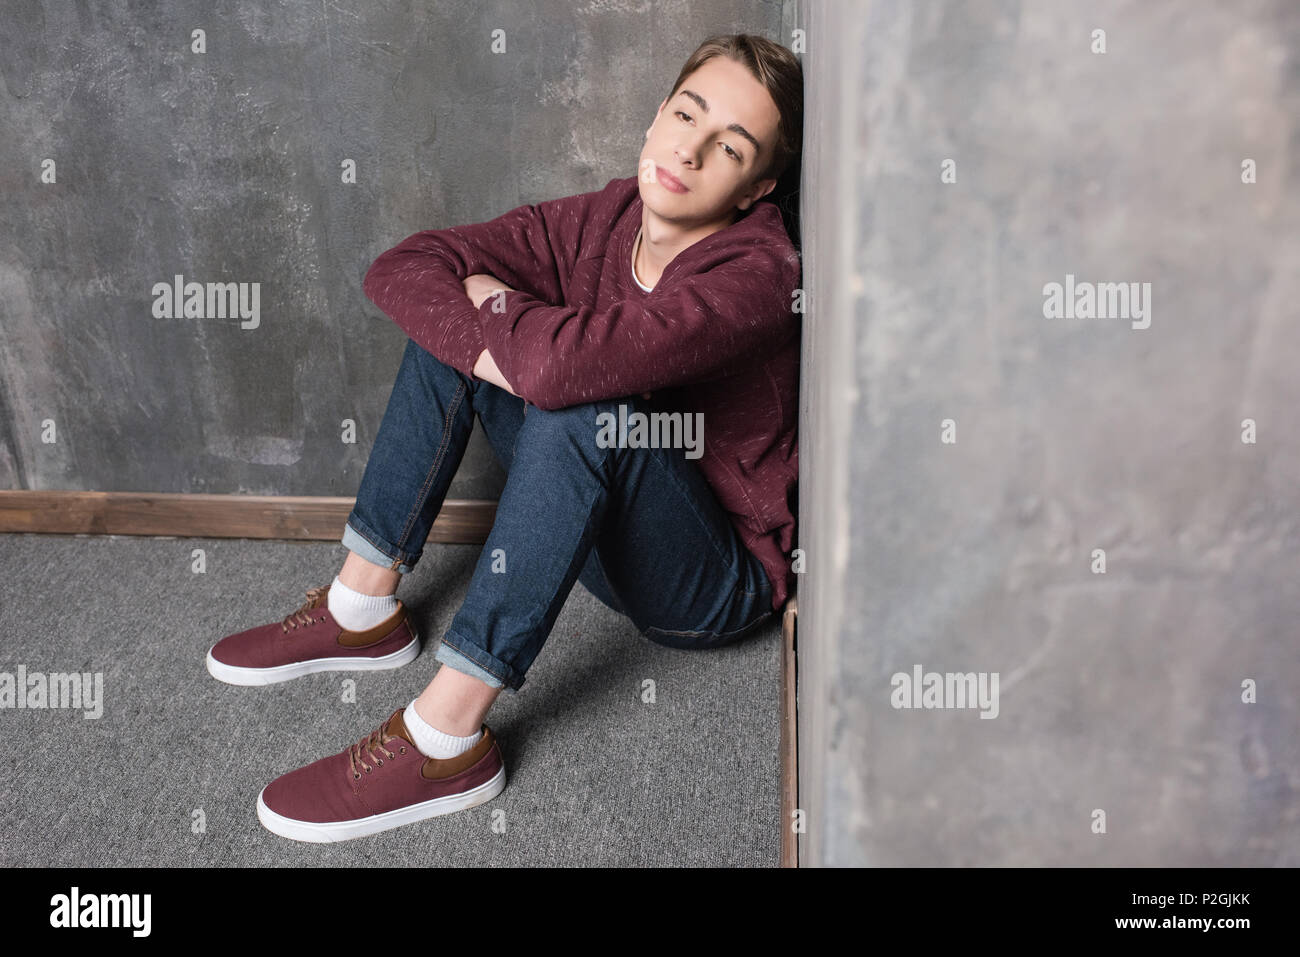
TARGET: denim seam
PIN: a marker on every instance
(714, 634)
(603, 466)
(443, 444)
(535, 620)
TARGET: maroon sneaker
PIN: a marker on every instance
(310, 640)
(383, 781)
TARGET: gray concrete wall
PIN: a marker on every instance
(1119, 692)
(225, 166)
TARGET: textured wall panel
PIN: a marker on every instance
(976, 552)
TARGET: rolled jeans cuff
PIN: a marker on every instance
(356, 541)
(453, 655)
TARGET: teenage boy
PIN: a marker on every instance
(671, 291)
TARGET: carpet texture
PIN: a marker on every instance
(168, 774)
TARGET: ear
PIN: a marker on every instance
(756, 192)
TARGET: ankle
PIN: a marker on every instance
(443, 720)
(368, 578)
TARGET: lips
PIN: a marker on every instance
(668, 181)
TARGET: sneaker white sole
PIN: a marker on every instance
(360, 827)
(234, 675)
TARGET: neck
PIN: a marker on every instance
(662, 240)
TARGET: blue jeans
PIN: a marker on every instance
(639, 527)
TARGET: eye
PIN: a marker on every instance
(730, 152)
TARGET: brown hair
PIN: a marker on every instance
(781, 75)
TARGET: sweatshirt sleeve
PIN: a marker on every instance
(419, 282)
(704, 326)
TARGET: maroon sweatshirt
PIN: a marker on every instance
(717, 334)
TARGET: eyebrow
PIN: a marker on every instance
(734, 127)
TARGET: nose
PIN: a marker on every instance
(691, 150)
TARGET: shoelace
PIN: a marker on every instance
(301, 617)
(358, 752)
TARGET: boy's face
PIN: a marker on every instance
(696, 139)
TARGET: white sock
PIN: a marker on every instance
(358, 612)
(432, 742)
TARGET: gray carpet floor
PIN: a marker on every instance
(169, 774)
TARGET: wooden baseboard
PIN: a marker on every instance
(465, 521)
(789, 735)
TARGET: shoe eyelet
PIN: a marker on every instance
(403, 750)
(379, 763)
(367, 770)
(355, 776)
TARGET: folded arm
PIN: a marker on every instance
(419, 283)
(477, 288)
(705, 326)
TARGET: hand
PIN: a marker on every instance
(481, 285)
(486, 368)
